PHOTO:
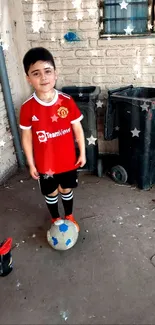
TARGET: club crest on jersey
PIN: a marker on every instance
(62, 111)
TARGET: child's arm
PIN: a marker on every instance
(79, 136)
(28, 149)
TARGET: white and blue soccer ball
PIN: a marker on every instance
(62, 235)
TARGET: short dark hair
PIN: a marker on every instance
(37, 54)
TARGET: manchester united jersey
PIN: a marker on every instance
(52, 134)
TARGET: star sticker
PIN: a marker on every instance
(2, 143)
(135, 132)
(80, 95)
(48, 174)
(53, 39)
(138, 75)
(79, 15)
(128, 30)
(36, 25)
(76, 3)
(149, 59)
(124, 5)
(92, 12)
(150, 26)
(65, 18)
(54, 118)
(144, 107)
(109, 38)
(99, 103)
(91, 140)
(117, 128)
(93, 52)
(5, 46)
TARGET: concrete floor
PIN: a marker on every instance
(107, 278)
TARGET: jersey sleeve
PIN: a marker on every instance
(76, 114)
(25, 119)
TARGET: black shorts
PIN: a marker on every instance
(66, 180)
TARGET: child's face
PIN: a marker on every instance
(42, 76)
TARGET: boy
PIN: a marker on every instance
(49, 121)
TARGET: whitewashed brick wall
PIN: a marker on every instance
(8, 161)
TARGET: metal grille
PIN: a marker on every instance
(139, 17)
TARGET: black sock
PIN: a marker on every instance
(52, 204)
(67, 200)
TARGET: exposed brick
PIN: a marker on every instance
(64, 54)
(90, 53)
(147, 51)
(120, 70)
(60, 5)
(39, 7)
(73, 15)
(107, 79)
(92, 71)
(85, 25)
(76, 62)
(63, 26)
(121, 52)
(104, 61)
(86, 4)
(132, 78)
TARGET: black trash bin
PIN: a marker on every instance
(86, 98)
(131, 117)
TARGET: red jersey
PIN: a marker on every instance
(52, 134)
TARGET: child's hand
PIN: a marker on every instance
(34, 173)
(81, 160)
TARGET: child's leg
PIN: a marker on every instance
(49, 188)
(67, 200)
(67, 181)
(52, 204)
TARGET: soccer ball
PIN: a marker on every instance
(62, 235)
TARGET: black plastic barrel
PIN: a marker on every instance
(130, 116)
(86, 98)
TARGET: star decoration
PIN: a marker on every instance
(128, 30)
(124, 5)
(53, 39)
(76, 3)
(54, 118)
(135, 132)
(79, 15)
(5, 46)
(65, 18)
(48, 174)
(2, 143)
(92, 12)
(80, 95)
(144, 107)
(93, 52)
(36, 25)
(109, 38)
(91, 140)
(138, 75)
(99, 103)
(117, 128)
(150, 26)
(149, 59)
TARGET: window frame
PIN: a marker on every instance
(150, 20)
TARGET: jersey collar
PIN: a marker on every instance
(44, 103)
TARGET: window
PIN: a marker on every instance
(127, 17)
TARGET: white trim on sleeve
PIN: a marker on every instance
(25, 127)
(77, 120)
